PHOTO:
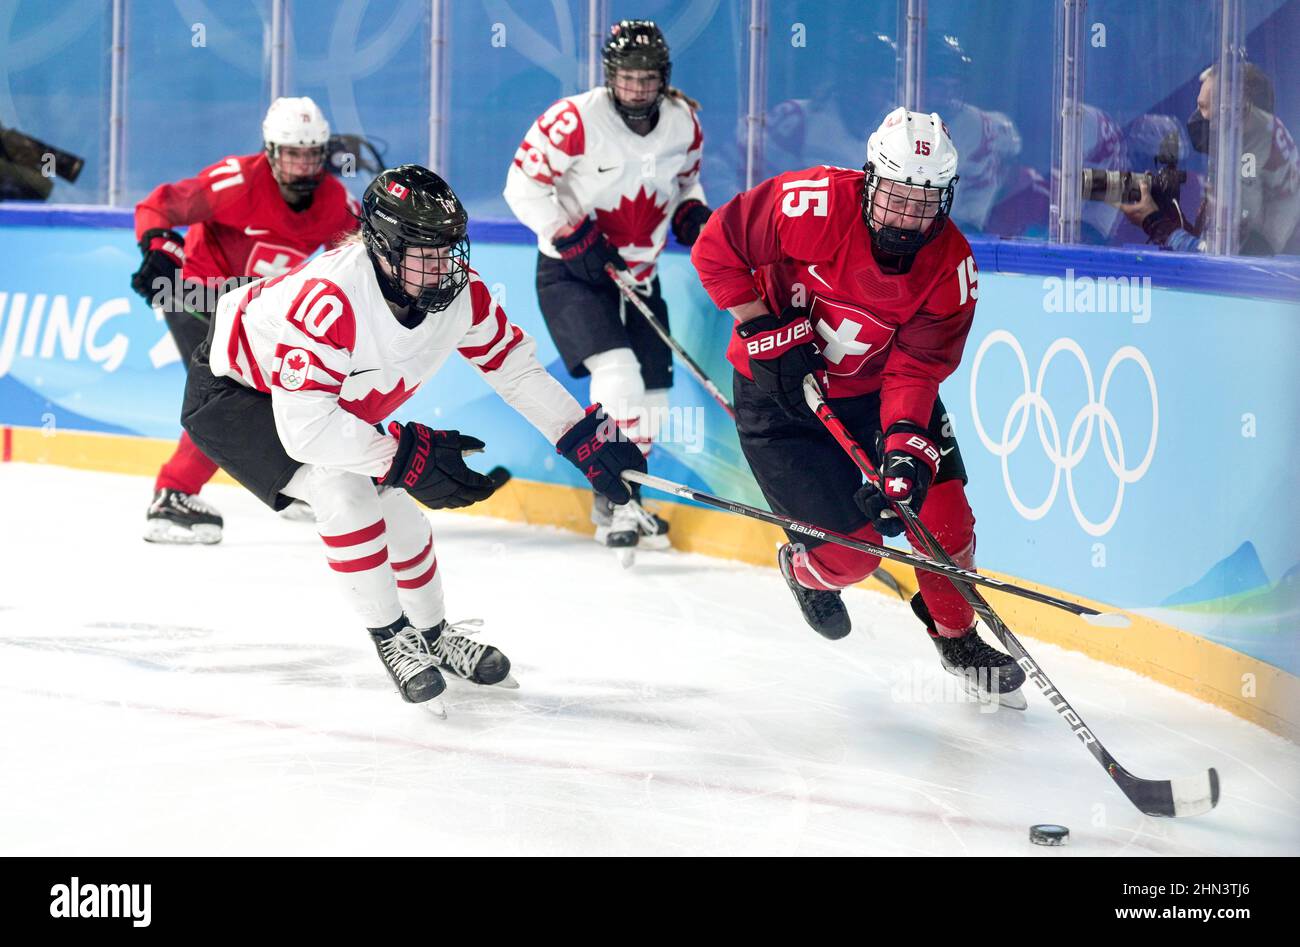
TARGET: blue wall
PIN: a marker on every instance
(1150, 462)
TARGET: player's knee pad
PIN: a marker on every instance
(616, 384)
(831, 566)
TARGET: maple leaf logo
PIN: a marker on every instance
(296, 362)
(633, 222)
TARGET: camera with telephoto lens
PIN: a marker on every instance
(26, 164)
(1125, 187)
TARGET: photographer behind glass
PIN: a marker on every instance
(1270, 198)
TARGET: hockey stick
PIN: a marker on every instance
(631, 296)
(884, 552)
(1184, 796)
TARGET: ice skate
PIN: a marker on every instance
(823, 611)
(410, 662)
(986, 672)
(181, 518)
(471, 660)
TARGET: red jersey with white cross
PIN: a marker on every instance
(240, 223)
(799, 239)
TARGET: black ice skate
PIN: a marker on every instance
(410, 662)
(986, 671)
(823, 611)
(474, 661)
(176, 517)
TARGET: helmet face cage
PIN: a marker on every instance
(441, 269)
(636, 45)
(903, 216)
(299, 184)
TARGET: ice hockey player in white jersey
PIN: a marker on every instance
(305, 366)
(602, 177)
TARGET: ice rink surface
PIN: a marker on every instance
(223, 700)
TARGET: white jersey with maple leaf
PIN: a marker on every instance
(323, 343)
(579, 159)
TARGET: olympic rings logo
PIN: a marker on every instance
(1079, 439)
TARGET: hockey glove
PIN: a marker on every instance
(585, 253)
(689, 220)
(780, 354)
(158, 279)
(429, 465)
(906, 472)
(595, 446)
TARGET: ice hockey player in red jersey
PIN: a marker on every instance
(601, 178)
(250, 216)
(860, 278)
(301, 368)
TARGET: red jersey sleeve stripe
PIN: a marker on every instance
(478, 351)
(496, 361)
(356, 537)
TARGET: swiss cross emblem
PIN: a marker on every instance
(271, 259)
(399, 191)
(848, 336)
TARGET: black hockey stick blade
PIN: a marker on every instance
(499, 477)
(1169, 798)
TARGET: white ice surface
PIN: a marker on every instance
(223, 700)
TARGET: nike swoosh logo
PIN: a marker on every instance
(945, 453)
(253, 233)
(603, 170)
(812, 271)
(362, 371)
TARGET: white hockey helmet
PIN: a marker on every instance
(910, 175)
(295, 123)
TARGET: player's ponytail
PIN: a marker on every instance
(673, 92)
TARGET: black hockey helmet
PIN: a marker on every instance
(637, 44)
(410, 207)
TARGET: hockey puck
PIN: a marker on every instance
(1048, 834)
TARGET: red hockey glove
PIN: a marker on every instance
(906, 471)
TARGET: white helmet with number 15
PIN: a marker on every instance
(908, 189)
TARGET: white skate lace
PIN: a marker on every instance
(193, 503)
(407, 653)
(456, 651)
(625, 518)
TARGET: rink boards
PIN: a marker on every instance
(1128, 440)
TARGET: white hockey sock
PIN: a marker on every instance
(350, 520)
(412, 558)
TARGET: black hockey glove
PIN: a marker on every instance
(780, 354)
(429, 465)
(907, 470)
(595, 446)
(689, 220)
(586, 251)
(158, 279)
